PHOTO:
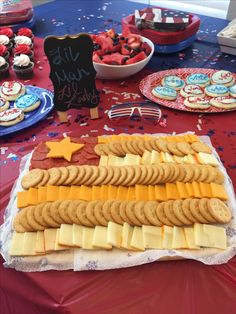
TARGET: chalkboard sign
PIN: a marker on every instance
(71, 71)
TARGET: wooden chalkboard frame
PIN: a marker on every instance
(72, 73)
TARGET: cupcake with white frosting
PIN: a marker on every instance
(23, 40)
(4, 40)
(4, 68)
(23, 67)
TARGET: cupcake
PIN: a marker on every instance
(19, 40)
(24, 31)
(7, 31)
(4, 52)
(24, 49)
(4, 40)
(4, 68)
(23, 67)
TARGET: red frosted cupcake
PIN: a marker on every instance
(24, 31)
(23, 67)
(7, 31)
(4, 52)
(4, 68)
(4, 40)
(24, 49)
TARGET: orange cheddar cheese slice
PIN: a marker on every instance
(205, 189)
(218, 191)
(141, 192)
(64, 193)
(32, 197)
(96, 192)
(104, 193)
(42, 194)
(131, 193)
(74, 192)
(172, 191)
(182, 190)
(52, 193)
(85, 193)
(22, 199)
(122, 193)
(112, 192)
(160, 193)
(191, 138)
(151, 192)
(190, 189)
(196, 189)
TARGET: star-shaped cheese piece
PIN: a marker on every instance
(63, 149)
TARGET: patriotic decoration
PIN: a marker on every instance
(161, 19)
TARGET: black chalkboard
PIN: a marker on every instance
(71, 71)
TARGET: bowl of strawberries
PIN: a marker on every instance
(117, 56)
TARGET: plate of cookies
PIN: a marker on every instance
(192, 89)
(109, 202)
(22, 106)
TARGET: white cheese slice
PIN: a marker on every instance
(152, 237)
(114, 234)
(137, 239)
(100, 238)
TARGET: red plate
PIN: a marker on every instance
(152, 80)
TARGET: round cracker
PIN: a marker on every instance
(32, 178)
(219, 210)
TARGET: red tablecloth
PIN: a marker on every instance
(177, 286)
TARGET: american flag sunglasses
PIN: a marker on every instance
(147, 111)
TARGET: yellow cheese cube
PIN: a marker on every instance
(160, 193)
(191, 138)
(190, 189)
(151, 193)
(172, 191)
(100, 238)
(96, 192)
(52, 193)
(122, 192)
(152, 237)
(22, 199)
(196, 189)
(179, 241)
(32, 196)
(42, 194)
(205, 189)
(66, 235)
(131, 193)
(112, 192)
(85, 193)
(137, 239)
(74, 192)
(218, 191)
(77, 232)
(104, 193)
(63, 193)
(114, 234)
(141, 192)
(182, 190)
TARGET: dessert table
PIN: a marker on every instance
(182, 286)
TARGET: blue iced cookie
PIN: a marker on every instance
(232, 90)
(27, 103)
(216, 90)
(164, 92)
(173, 81)
(198, 79)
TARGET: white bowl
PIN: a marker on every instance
(115, 72)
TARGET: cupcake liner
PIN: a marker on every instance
(4, 71)
(24, 73)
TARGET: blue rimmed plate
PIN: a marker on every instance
(32, 117)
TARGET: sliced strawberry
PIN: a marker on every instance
(111, 33)
(146, 48)
(115, 59)
(133, 38)
(139, 57)
(105, 43)
(135, 44)
(96, 58)
(125, 50)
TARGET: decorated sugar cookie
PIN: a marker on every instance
(216, 90)
(200, 79)
(223, 77)
(173, 81)
(232, 90)
(4, 104)
(12, 90)
(197, 102)
(192, 90)
(225, 102)
(11, 116)
(164, 92)
(27, 102)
